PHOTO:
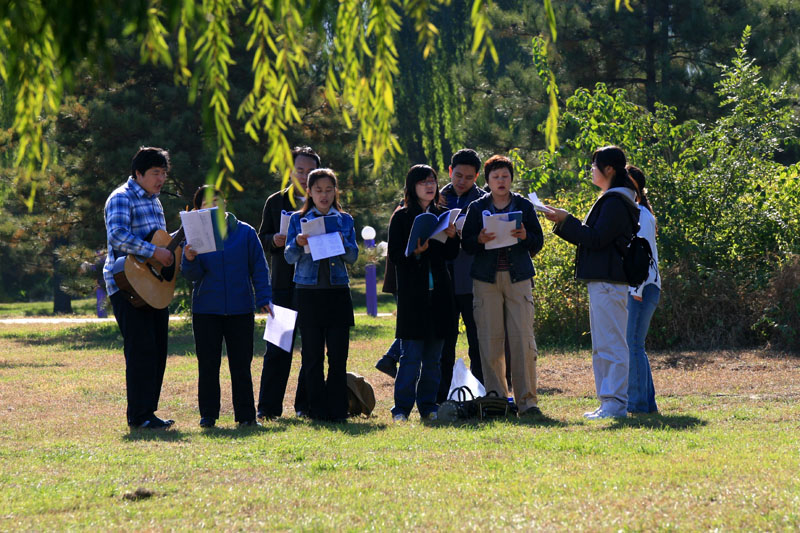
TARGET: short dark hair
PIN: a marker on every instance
(297, 151)
(148, 157)
(416, 174)
(495, 162)
(200, 193)
(313, 177)
(466, 156)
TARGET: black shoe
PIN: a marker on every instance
(387, 365)
(155, 423)
(206, 422)
(249, 423)
(532, 412)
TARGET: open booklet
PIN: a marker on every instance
(501, 224)
(323, 234)
(201, 228)
(429, 226)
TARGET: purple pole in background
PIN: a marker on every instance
(368, 234)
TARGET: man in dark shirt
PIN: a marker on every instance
(465, 165)
(277, 362)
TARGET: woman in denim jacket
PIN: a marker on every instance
(322, 289)
(502, 298)
(223, 300)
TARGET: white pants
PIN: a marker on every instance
(608, 317)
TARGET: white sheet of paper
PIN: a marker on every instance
(537, 204)
(502, 230)
(280, 328)
(459, 223)
(314, 226)
(439, 233)
(285, 216)
(199, 229)
(326, 245)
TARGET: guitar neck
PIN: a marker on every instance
(176, 240)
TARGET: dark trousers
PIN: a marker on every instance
(463, 308)
(144, 332)
(277, 366)
(237, 331)
(327, 398)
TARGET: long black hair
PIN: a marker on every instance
(416, 174)
(314, 176)
(638, 176)
(614, 157)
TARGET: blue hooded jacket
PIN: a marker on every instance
(224, 281)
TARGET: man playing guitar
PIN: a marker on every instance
(132, 212)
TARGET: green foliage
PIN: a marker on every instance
(727, 211)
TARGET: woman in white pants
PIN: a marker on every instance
(611, 222)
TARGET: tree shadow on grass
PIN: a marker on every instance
(149, 435)
(354, 426)
(237, 433)
(658, 421)
(474, 423)
(370, 331)
(8, 365)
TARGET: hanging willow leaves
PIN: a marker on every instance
(42, 41)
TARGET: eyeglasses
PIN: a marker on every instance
(427, 183)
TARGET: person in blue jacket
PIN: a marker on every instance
(322, 293)
(228, 285)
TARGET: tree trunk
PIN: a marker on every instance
(62, 302)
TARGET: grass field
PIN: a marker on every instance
(723, 454)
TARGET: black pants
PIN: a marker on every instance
(144, 332)
(327, 398)
(277, 366)
(464, 309)
(237, 331)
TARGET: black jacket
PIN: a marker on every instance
(609, 223)
(422, 313)
(282, 272)
(484, 267)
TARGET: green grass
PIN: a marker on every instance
(718, 456)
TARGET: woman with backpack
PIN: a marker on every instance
(608, 227)
(642, 302)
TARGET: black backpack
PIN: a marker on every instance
(637, 256)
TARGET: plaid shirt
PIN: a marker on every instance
(131, 214)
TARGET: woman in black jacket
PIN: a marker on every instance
(424, 297)
(611, 222)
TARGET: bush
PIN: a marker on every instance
(779, 320)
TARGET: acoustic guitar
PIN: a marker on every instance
(146, 282)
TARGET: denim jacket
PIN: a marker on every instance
(484, 267)
(306, 269)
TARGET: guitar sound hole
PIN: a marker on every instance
(155, 272)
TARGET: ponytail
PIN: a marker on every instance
(638, 177)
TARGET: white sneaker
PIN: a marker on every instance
(590, 414)
(400, 417)
(600, 414)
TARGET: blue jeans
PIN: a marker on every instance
(418, 377)
(641, 393)
(395, 350)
